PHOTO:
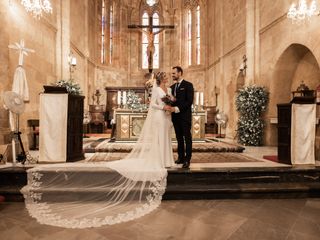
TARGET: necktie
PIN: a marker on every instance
(175, 90)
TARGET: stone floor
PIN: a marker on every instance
(215, 219)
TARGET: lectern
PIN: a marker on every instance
(61, 127)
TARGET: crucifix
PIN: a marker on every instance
(21, 49)
(150, 33)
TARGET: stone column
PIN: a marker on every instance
(252, 41)
(63, 39)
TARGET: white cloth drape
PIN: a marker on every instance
(303, 130)
(53, 128)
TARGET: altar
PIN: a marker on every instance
(130, 122)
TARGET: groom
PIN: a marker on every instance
(181, 117)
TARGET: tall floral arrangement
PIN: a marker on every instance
(251, 101)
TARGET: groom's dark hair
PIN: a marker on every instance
(179, 69)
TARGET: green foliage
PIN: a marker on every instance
(72, 87)
(134, 102)
(251, 101)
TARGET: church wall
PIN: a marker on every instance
(226, 46)
(4, 69)
(277, 33)
(39, 66)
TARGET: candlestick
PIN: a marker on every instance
(201, 98)
(119, 98)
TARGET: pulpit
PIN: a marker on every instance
(61, 127)
(296, 133)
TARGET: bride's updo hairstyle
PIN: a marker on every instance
(159, 77)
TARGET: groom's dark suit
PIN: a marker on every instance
(182, 120)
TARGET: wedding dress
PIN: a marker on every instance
(82, 195)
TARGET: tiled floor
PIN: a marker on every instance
(211, 219)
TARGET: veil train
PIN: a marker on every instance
(82, 195)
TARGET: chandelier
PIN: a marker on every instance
(36, 7)
(302, 12)
(151, 2)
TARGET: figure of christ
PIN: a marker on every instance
(148, 30)
(150, 48)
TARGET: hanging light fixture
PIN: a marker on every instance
(302, 12)
(152, 2)
(36, 7)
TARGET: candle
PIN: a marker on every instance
(197, 98)
(73, 61)
(124, 97)
(201, 98)
(119, 98)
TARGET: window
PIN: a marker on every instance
(189, 39)
(103, 27)
(111, 33)
(145, 21)
(198, 35)
(156, 22)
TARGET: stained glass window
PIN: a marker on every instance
(198, 35)
(189, 40)
(156, 22)
(145, 21)
(111, 33)
(103, 27)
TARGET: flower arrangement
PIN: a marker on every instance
(134, 102)
(72, 88)
(167, 100)
(251, 101)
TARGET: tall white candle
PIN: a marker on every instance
(197, 98)
(201, 98)
(124, 97)
(119, 98)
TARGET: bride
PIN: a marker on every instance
(82, 195)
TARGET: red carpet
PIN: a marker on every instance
(273, 158)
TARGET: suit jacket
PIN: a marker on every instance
(184, 99)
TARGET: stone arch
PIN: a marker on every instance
(295, 64)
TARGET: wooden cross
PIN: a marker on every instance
(150, 35)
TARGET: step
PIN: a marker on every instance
(190, 184)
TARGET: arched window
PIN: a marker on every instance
(145, 21)
(111, 33)
(189, 39)
(156, 22)
(198, 35)
(107, 31)
(103, 29)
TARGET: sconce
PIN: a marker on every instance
(72, 64)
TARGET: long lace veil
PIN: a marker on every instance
(81, 195)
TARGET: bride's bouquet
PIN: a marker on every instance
(168, 100)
